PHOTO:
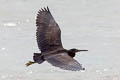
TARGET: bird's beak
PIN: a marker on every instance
(81, 50)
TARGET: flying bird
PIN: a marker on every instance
(48, 36)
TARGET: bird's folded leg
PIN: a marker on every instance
(30, 63)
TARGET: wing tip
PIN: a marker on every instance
(40, 12)
(73, 68)
(44, 9)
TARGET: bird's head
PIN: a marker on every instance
(76, 50)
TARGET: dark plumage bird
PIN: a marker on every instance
(49, 42)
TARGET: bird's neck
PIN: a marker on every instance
(72, 54)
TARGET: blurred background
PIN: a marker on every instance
(85, 24)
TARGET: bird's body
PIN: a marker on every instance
(49, 42)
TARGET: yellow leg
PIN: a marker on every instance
(29, 63)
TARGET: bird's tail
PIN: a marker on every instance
(38, 58)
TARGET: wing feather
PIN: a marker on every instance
(65, 62)
(48, 32)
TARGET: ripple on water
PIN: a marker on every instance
(27, 20)
(105, 69)
(3, 77)
(9, 24)
(3, 48)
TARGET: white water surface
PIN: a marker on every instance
(85, 24)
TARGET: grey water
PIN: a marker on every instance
(85, 24)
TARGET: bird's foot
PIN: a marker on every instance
(29, 63)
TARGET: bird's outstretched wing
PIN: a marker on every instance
(48, 32)
(64, 61)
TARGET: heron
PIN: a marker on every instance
(48, 35)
